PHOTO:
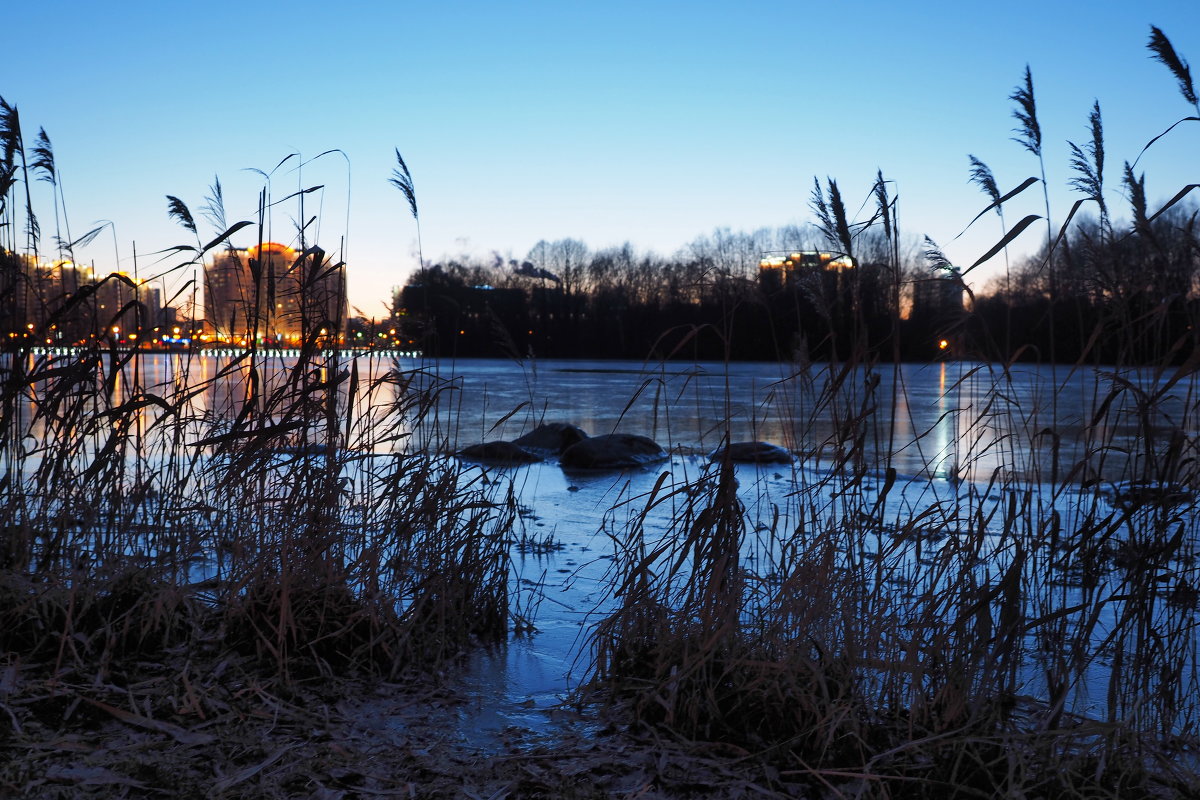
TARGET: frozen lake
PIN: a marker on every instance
(962, 439)
(926, 479)
(953, 418)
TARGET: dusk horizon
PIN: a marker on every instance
(530, 124)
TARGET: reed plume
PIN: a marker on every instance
(14, 145)
(1136, 186)
(214, 205)
(885, 205)
(1160, 46)
(935, 257)
(1088, 163)
(981, 176)
(43, 158)
(402, 180)
(831, 216)
(1029, 132)
(89, 237)
(178, 211)
(10, 132)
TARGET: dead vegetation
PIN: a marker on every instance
(1015, 621)
(244, 579)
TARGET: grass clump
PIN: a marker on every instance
(268, 500)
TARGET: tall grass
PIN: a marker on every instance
(1019, 618)
(275, 499)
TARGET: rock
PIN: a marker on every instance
(498, 453)
(551, 438)
(753, 453)
(612, 451)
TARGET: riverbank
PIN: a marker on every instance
(205, 722)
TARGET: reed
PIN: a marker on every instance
(273, 501)
(1016, 620)
(1016, 617)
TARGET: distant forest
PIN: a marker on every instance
(1104, 297)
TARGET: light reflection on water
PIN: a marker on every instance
(949, 419)
(956, 420)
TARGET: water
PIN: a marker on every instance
(955, 434)
(956, 443)
(949, 419)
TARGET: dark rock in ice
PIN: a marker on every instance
(498, 453)
(612, 451)
(552, 438)
(753, 452)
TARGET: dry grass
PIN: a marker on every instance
(879, 639)
(201, 559)
(188, 559)
(1018, 620)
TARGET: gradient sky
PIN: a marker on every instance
(646, 122)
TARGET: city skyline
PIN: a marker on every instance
(653, 125)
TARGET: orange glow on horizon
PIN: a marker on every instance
(269, 248)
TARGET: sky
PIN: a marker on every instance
(646, 122)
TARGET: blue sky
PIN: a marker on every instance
(646, 122)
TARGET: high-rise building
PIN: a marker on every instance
(65, 302)
(274, 294)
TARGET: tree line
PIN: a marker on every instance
(711, 300)
(1103, 296)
